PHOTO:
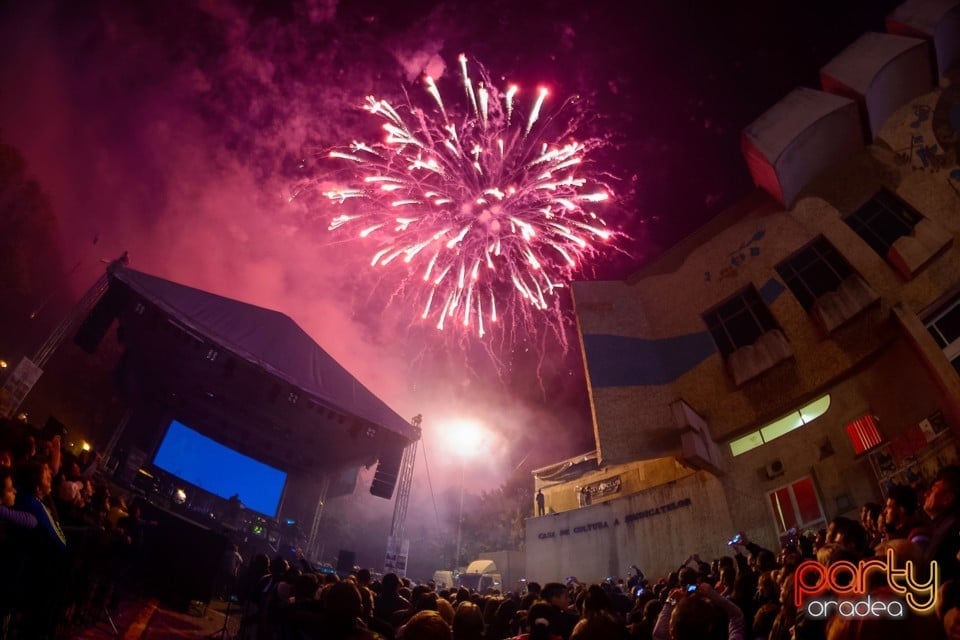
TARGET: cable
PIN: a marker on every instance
(426, 465)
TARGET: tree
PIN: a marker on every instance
(29, 258)
(496, 520)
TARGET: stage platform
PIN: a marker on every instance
(150, 619)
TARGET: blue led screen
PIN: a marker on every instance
(213, 467)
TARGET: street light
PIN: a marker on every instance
(456, 557)
(465, 438)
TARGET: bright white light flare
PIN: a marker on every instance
(465, 438)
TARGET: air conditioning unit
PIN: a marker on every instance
(775, 468)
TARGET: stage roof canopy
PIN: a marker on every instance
(267, 339)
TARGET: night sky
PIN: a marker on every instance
(176, 131)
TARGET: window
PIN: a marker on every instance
(814, 271)
(883, 219)
(746, 443)
(944, 326)
(805, 415)
(864, 434)
(797, 506)
(738, 322)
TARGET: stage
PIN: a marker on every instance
(150, 619)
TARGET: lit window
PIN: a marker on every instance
(747, 442)
(815, 409)
(804, 415)
(739, 321)
(781, 427)
(882, 220)
(816, 270)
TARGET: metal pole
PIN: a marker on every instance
(456, 558)
(80, 310)
(107, 451)
(56, 338)
(313, 541)
(405, 482)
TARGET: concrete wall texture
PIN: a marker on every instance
(654, 529)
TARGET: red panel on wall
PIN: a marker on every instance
(783, 509)
(864, 434)
(807, 501)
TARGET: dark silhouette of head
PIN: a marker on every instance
(426, 625)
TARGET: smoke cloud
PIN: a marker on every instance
(178, 132)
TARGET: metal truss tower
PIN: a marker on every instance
(405, 482)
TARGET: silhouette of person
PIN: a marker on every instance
(231, 514)
(540, 502)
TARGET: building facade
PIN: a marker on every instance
(800, 352)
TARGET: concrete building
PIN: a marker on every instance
(800, 352)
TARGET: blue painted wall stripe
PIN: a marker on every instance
(619, 361)
(771, 290)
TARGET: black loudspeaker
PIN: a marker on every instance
(179, 559)
(95, 325)
(385, 479)
(345, 561)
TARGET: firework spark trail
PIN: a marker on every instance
(491, 214)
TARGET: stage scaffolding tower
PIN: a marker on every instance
(405, 482)
(69, 323)
(312, 551)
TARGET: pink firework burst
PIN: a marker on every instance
(489, 209)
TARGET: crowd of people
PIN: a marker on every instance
(749, 594)
(68, 547)
(66, 541)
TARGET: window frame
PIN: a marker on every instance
(951, 350)
(863, 222)
(823, 253)
(717, 318)
(757, 438)
(779, 521)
